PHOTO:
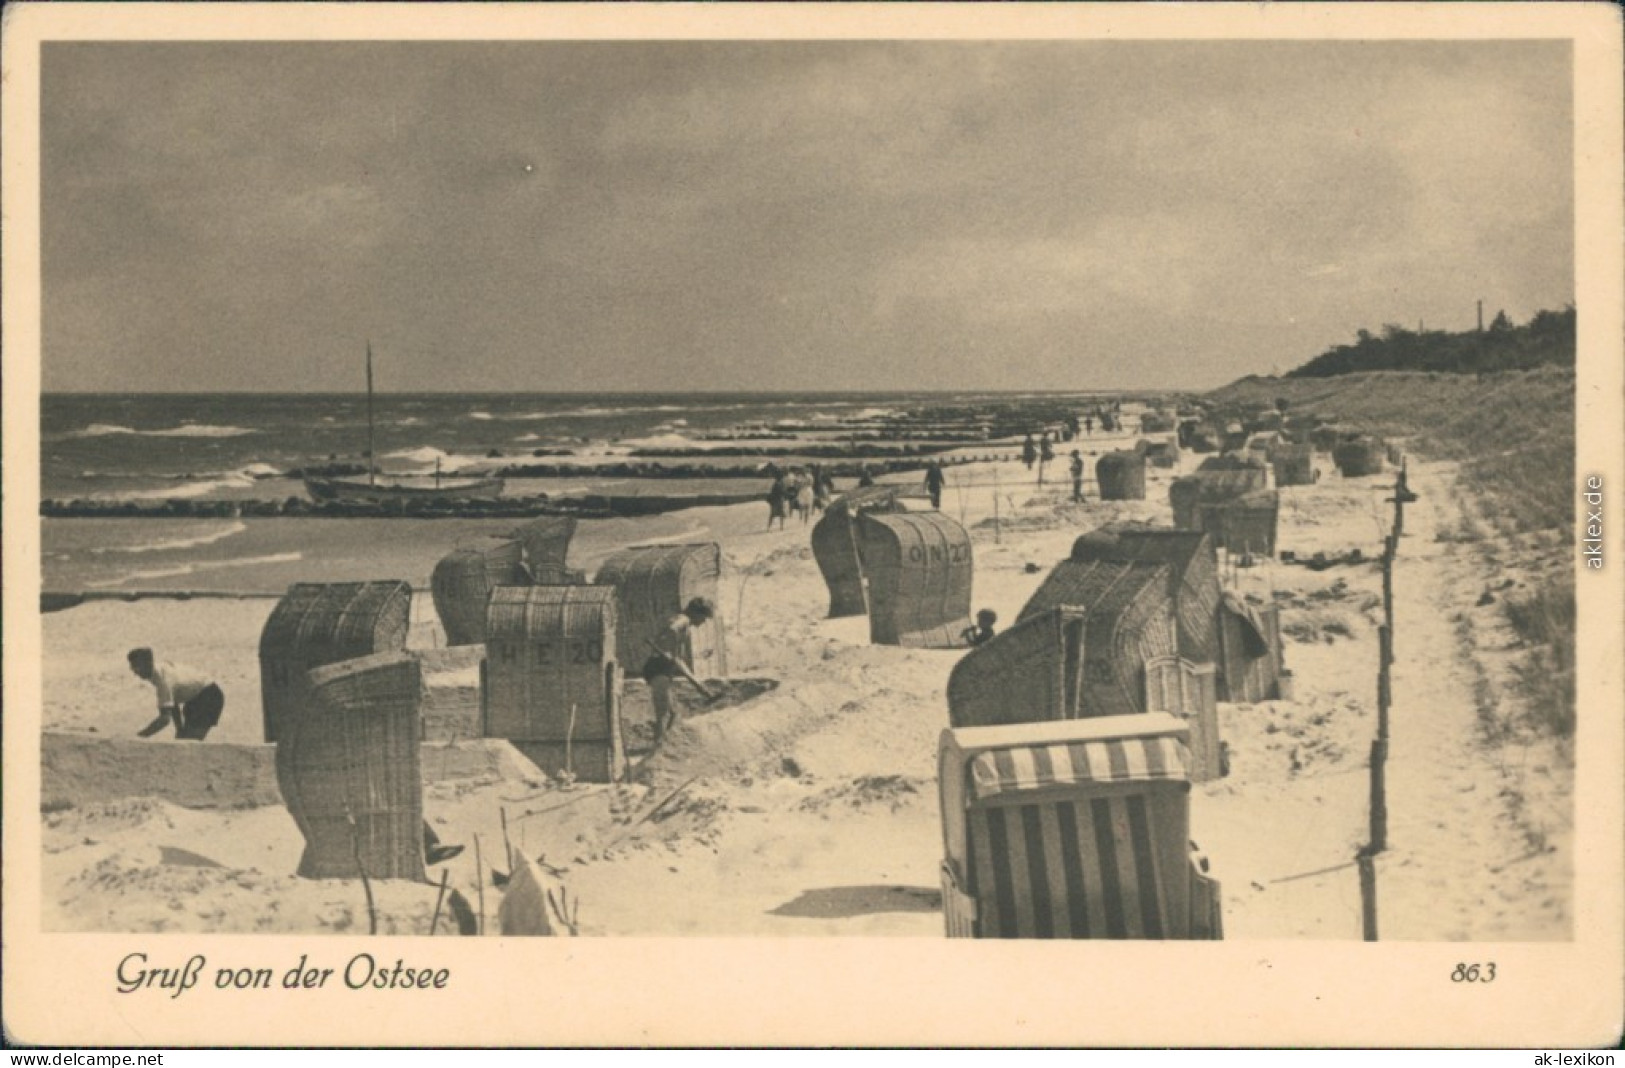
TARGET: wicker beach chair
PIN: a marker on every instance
(652, 584)
(1294, 465)
(462, 583)
(919, 566)
(1078, 830)
(551, 684)
(836, 546)
(316, 624)
(1250, 652)
(1128, 621)
(1121, 476)
(350, 773)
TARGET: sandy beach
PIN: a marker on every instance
(812, 809)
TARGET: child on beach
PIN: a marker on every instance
(185, 696)
(667, 660)
(983, 628)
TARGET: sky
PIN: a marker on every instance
(814, 215)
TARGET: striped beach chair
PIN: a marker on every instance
(1073, 829)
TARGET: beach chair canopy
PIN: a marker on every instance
(1071, 830)
(1120, 476)
(462, 583)
(325, 623)
(1250, 651)
(1029, 672)
(1005, 773)
(546, 544)
(652, 584)
(837, 548)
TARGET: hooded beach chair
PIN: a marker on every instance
(1074, 829)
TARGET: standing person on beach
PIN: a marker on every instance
(1077, 477)
(820, 488)
(805, 497)
(1046, 453)
(186, 697)
(934, 479)
(778, 500)
(864, 477)
(1029, 451)
(667, 659)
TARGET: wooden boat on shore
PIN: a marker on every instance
(403, 488)
(391, 489)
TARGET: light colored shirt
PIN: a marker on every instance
(177, 683)
(673, 640)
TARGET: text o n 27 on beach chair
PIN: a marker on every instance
(315, 624)
(1075, 830)
(919, 567)
(550, 681)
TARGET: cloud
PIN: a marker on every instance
(784, 214)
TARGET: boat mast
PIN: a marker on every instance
(371, 450)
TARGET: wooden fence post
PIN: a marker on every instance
(1368, 895)
(1379, 796)
(1390, 547)
(1385, 686)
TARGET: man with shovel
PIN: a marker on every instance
(666, 661)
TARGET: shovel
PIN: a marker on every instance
(710, 698)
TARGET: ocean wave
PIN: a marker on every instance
(423, 454)
(191, 569)
(188, 430)
(185, 490)
(174, 543)
(660, 441)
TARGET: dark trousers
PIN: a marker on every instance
(200, 714)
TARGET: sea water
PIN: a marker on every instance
(148, 447)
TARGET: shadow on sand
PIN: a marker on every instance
(839, 902)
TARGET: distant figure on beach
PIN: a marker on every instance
(1088, 424)
(186, 697)
(1077, 477)
(804, 497)
(666, 660)
(864, 477)
(933, 483)
(1046, 453)
(982, 630)
(821, 488)
(778, 500)
(1029, 451)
